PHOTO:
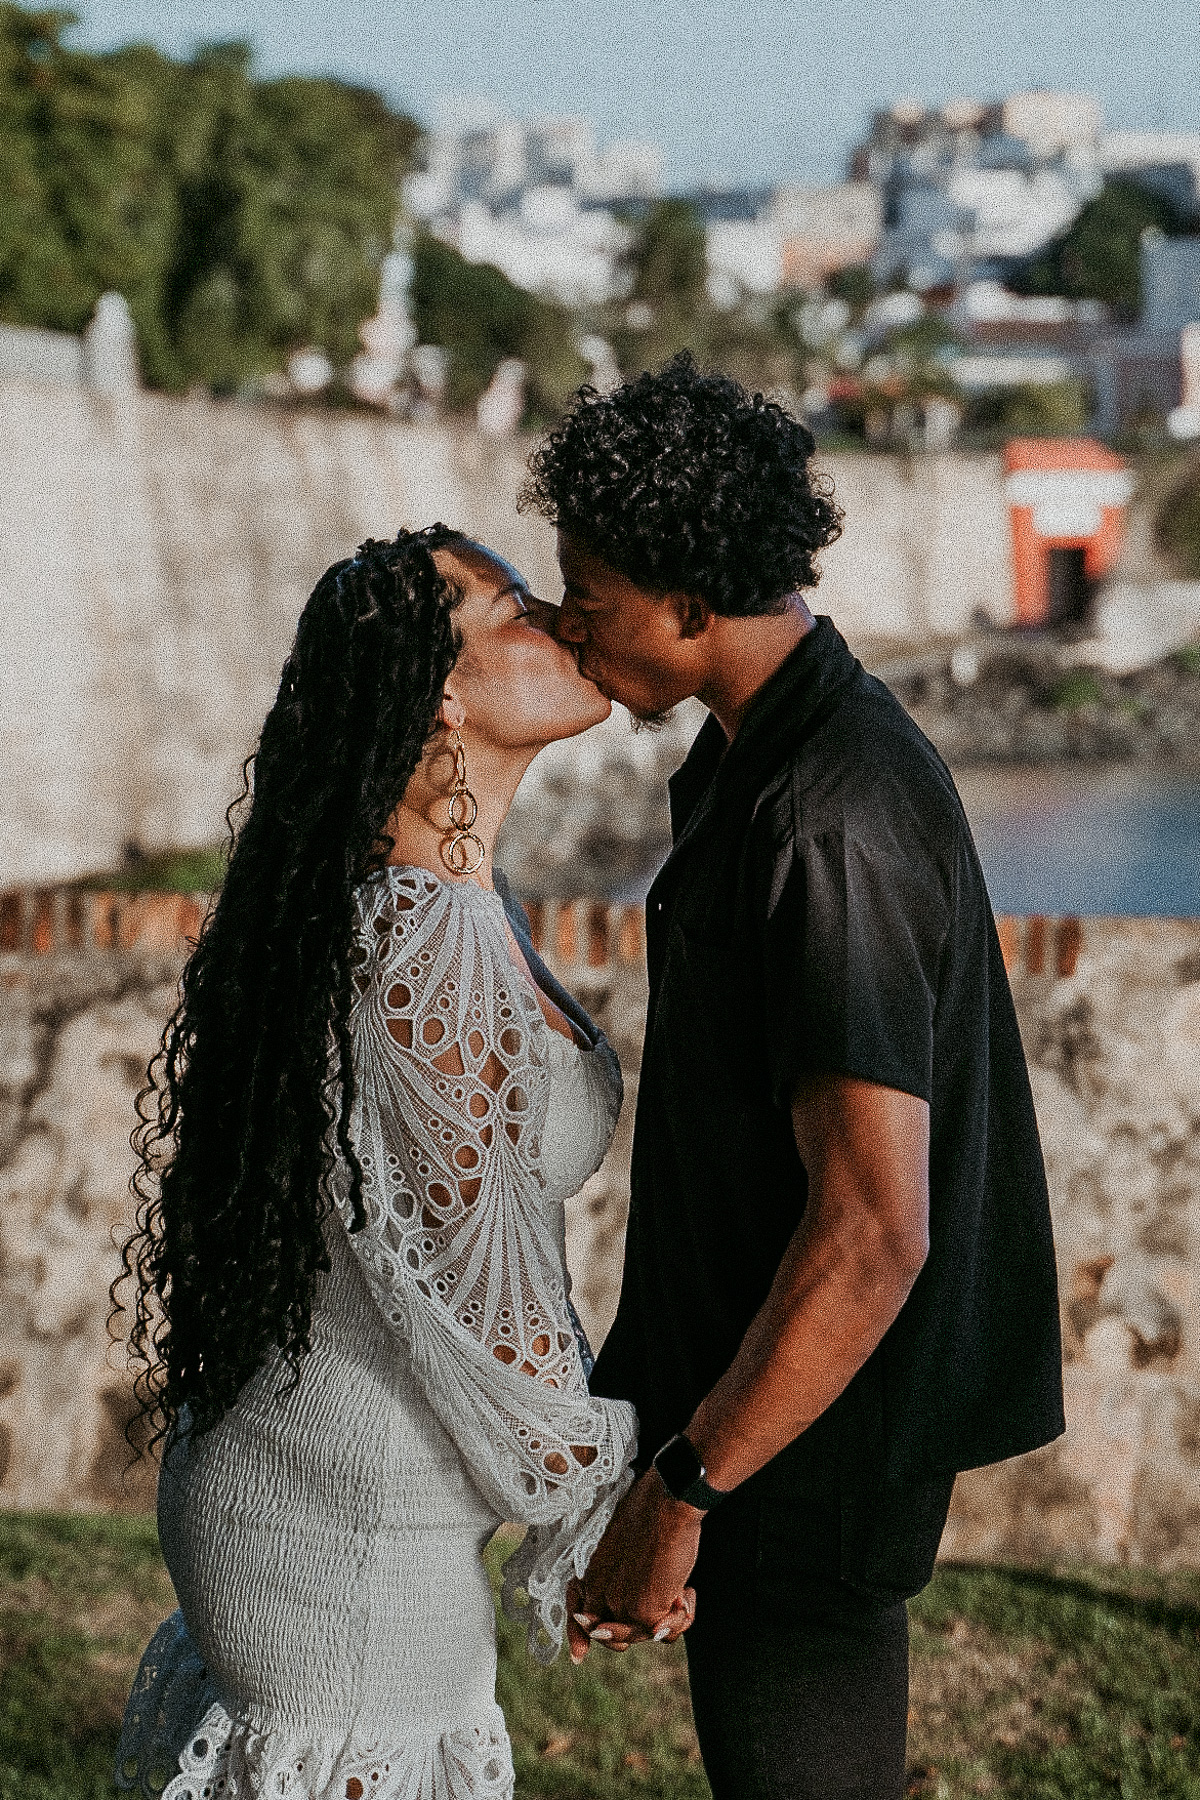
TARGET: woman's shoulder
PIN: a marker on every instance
(445, 941)
(400, 899)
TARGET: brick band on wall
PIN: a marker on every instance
(45, 921)
(581, 933)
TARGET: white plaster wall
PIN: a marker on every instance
(155, 554)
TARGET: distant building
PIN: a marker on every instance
(1137, 382)
(1011, 340)
(824, 229)
(1170, 282)
(1166, 162)
(971, 188)
(535, 199)
(1184, 421)
(1138, 375)
(1053, 124)
(741, 239)
(547, 243)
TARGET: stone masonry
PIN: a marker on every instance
(1110, 1012)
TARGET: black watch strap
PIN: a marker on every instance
(683, 1475)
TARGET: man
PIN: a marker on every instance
(839, 1278)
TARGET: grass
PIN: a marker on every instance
(1065, 1683)
(80, 1597)
(197, 871)
(1081, 688)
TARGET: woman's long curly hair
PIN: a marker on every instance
(240, 1116)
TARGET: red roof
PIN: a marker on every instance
(1059, 453)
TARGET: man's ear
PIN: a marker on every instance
(694, 615)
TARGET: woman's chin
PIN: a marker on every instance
(581, 718)
(596, 714)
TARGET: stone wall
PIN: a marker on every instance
(86, 981)
(155, 554)
(1110, 1013)
(1114, 1052)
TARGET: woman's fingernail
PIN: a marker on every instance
(601, 1632)
(587, 1620)
(664, 1631)
(620, 1646)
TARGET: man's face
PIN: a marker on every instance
(634, 645)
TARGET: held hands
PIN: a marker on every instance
(585, 1629)
(636, 1587)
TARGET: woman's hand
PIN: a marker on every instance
(584, 1630)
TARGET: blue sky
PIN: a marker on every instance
(744, 90)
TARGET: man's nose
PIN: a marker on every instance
(568, 626)
(542, 614)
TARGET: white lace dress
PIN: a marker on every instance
(336, 1638)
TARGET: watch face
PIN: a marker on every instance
(679, 1466)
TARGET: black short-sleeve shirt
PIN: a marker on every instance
(823, 909)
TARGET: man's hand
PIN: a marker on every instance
(635, 1585)
(584, 1628)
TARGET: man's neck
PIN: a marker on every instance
(745, 655)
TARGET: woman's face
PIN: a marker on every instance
(518, 686)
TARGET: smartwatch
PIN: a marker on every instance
(682, 1474)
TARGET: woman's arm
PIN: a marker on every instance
(460, 1248)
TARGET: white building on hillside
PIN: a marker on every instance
(547, 243)
(971, 188)
(535, 198)
(1053, 124)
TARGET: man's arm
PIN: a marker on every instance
(844, 1277)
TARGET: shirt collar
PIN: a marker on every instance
(785, 710)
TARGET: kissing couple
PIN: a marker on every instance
(352, 1314)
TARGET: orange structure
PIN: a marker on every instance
(1066, 503)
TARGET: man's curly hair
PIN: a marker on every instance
(684, 482)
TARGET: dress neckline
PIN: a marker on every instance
(453, 887)
(460, 887)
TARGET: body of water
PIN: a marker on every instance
(1087, 838)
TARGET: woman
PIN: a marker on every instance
(353, 1312)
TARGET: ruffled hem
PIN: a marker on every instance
(178, 1742)
(534, 1583)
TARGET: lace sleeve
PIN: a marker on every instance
(461, 1248)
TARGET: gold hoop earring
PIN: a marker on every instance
(462, 852)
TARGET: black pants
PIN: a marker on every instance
(798, 1657)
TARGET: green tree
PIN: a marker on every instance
(666, 306)
(287, 191)
(1177, 522)
(1099, 257)
(479, 317)
(240, 218)
(854, 284)
(1047, 409)
(91, 205)
(922, 351)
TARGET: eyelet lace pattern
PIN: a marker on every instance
(472, 1127)
(463, 1245)
(224, 1759)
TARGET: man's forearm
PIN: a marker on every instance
(840, 1286)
